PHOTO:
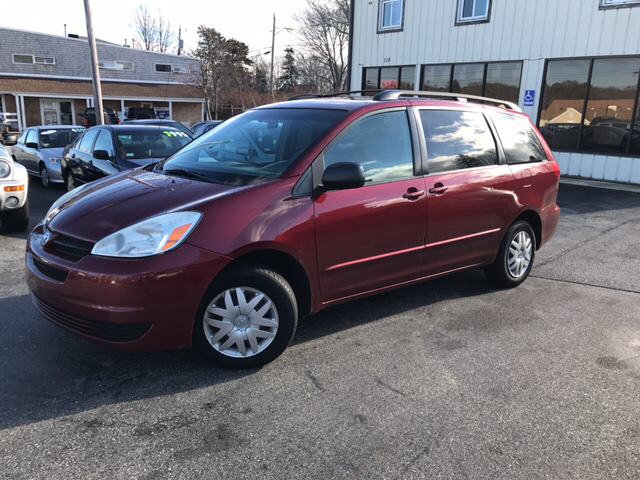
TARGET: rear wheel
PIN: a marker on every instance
(16, 220)
(246, 319)
(515, 258)
(44, 176)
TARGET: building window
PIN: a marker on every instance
(499, 80)
(473, 11)
(168, 68)
(390, 15)
(591, 105)
(619, 3)
(116, 65)
(389, 78)
(31, 59)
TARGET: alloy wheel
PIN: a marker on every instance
(240, 322)
(520, 252)
(44, 176)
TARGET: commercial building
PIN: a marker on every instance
(572, 65)
(46, 79)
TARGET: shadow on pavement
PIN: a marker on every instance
(49, 373)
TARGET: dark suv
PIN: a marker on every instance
(290, 208)
(89, 117)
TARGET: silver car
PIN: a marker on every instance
(14, 204)
(39, 150)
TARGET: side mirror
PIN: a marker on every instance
(32, 145)
(242, 151)
(344, 175)
(101, 155)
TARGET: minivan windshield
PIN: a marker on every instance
(253, 147)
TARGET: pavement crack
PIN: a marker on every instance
(585, 284)
(386, 385)
(315, 381)
(584, 242)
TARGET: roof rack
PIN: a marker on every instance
(337, 94)
(396, 94)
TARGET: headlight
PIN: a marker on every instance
(149, 237)
(63, 199)
(5, 169)
(55, 160)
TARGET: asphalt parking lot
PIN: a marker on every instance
(448, 379)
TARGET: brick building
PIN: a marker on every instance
(46, 79)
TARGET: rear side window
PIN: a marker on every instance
(104, 143)
(457, 140)
(381, 144)
(520, 142)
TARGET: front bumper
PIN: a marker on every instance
(55, 173)
(4, 195)
(129, 304)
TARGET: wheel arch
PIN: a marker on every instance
(532, 218)
(285, 265)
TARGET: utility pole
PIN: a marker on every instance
(97, 89)
(273, 47)
(179, 39)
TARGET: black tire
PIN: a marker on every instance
(69, 181)
(498, 272)
(44, 176)
(16, 220)
(283, 299)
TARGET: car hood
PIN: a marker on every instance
(112, 203)
(52, 152)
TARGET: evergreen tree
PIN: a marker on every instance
(289, 78)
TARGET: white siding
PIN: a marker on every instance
(528, 30)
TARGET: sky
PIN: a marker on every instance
(249, 21)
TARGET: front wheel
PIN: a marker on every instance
(69, 181)
(44, 176)
(246, 319)
(515, 257)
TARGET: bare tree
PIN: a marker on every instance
(323, 28)
(144, 26)
(165, 37)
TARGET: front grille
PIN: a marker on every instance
(51, 272)
(112, 332)
(72, 247)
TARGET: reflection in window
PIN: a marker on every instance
(520, 142)
(468, 78)
(389, 78)
(457, 140)
(501, 80)
(381, 144)
(604, 124)
(436, 78)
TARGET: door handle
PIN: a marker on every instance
(413, 194)
(438, 189)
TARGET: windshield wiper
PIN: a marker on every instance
(181, 172)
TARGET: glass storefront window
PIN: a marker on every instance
(503, 81)
(389, 78)
(407, 78)
(436, 78)
(468, 78)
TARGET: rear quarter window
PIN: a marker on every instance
(519, 140)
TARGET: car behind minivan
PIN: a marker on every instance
(290, 208)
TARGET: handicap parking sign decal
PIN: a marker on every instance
(529, 97)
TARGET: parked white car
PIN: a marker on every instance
(14, 185)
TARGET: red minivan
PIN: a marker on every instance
(289, 208)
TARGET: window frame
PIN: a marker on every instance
(635, 115)
(394, 28)
(318, 167)
(500, 154)
(460, 21)
(612, 4)
(33, 59)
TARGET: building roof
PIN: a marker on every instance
(25, 85)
